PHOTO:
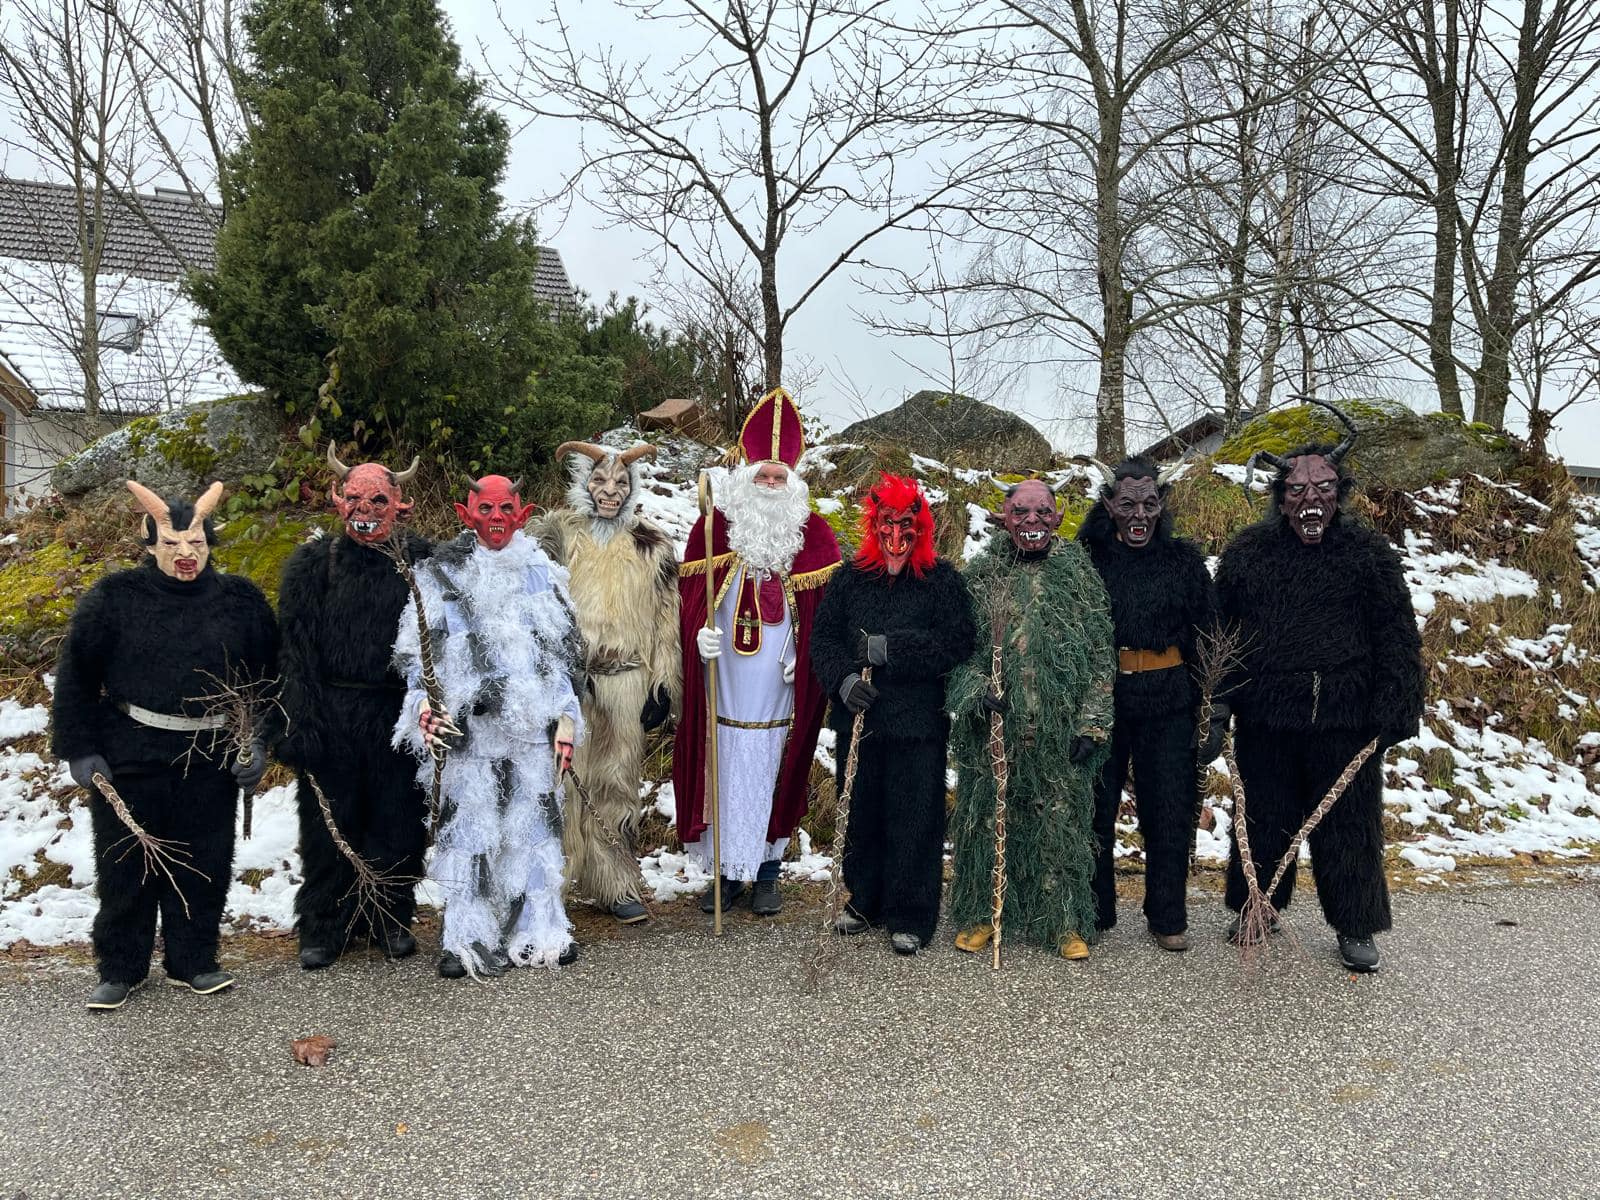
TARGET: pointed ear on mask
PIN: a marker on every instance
(524, 513)
(403, 507)
(461, 511)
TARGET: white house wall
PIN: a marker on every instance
(35, 442)
(176, 363)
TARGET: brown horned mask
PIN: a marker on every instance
(177, 533)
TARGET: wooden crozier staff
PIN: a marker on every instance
(713, 807)
(1002, 769)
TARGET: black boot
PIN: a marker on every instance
(317, 958)
(568, 956)
(205, 983)
(1359, 954)
(451, 967)
(499, 961)
(395, 943)
(629, 912)
(732, 889)
(765, 901)
(850, 924)
(905, 943)
(108, 995)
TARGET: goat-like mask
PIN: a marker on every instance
(178, 534)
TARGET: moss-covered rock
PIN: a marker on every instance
(958, 430)
(260, 550)
(1398, 448)
(179, 451)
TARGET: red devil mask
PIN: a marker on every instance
(494, 510)
(368, 498)
(1310, 496)
(896, 528)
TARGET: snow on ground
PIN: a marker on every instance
(1507, 796)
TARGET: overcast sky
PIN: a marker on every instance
(860, 370)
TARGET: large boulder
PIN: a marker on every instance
(1397, 448)
(957, 430)
(179, 451)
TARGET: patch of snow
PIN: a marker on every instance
(18, 720)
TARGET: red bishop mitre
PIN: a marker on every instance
(772, 432)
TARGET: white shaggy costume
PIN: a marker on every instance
(509, 658)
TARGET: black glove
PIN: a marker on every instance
(857, 693)
(657, 708)
(83, 770)
(248, 776)
(1208, 741)
(1083, 749)
(873, 649)
(993, 701)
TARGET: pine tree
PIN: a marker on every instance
(365, 220)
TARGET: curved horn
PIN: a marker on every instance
(1166, 476)
(635, 453)
(339, 468)
(150, 502)
(404, 477)
(206, 504)
(1345, 446)
(472, 486)
(1250, 471)
(587, 449)
(1106, 473)
(516, 487)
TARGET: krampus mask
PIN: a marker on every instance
(368, 498)
(605, 483)
(1310, 482)
(178, 533)
(1134, 495)
(896, 528)
(1030, 516)
(494, 510)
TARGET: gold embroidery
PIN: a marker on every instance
(782, 723)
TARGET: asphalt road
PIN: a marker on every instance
(666, 1064)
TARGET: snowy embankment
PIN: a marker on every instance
(1464, 789)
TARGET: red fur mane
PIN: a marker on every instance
(896, 493)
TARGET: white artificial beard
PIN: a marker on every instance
(766, 526)
(603, 529)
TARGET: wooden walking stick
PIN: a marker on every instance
(833, 909)
(1002, 770)
(708, 511)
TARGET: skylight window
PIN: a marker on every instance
(120, 331)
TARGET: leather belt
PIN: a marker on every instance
(359, 685)
(612, 666)
(1131, 662)
(157, 720)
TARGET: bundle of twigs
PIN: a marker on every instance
(834, 908)
(243, 704)
(612, 838)
(1218, 651)
(371, 885)
(998, 619)
(394, 546)
(1258, 916)
(161, 855)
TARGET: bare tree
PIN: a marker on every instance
(76, 100)
(787, 121)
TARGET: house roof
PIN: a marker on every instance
(168, 234)
(550, 282)
(1182, 438)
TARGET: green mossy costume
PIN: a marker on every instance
(1059, 665)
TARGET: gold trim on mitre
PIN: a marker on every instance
(779, 397)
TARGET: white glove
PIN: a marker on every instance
(788, 672)
(709, 643)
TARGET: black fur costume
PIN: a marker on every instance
(1161, 595)
(142, 637)
(339, 604)
(1331, 658)
(894, 859)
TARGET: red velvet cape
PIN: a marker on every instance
(818, 557)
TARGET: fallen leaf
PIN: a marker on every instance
(401, 1129)
(313, 1051)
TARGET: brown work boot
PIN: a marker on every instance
(1074, 948)
(975, 939)
(1172, 941)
